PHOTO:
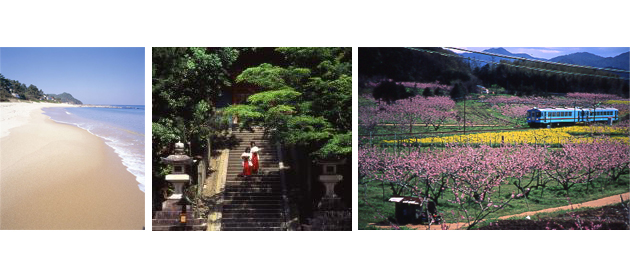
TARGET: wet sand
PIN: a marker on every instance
(57, 176)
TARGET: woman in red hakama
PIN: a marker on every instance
(247, 164)
(254, 152)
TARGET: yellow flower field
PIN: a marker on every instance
(598, 130)
(554, 136)
(618, 102)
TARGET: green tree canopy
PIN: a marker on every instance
(186, 83)
(307, 102)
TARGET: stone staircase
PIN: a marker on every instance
(254, 203)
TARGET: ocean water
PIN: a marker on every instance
(121, 127)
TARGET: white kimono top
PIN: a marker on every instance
(246, 156)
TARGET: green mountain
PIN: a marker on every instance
(66, 98)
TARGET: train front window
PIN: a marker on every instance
(537, 114)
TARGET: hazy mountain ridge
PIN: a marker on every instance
(621, 61)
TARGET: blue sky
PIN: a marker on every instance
(552, 52)
(113, 76)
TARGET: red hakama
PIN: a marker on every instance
(247, 169)
(255, 166)
(255, 162)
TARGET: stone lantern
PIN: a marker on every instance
(329, 179)
(178, 178)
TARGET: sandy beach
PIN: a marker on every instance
(57, 176)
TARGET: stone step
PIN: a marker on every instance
(233, 175)
(252, 212)
(255, 186)
(262, 177)
(261, 143)
(252, 229)
(249, 132)
(277, 201)
(276, 206)
(239, 153)
(246, 197)
(237, 167)
(252, 193)
(252, 199)
(247, 221)
(241, 215)
(263, 174)
(251, 137)
(269, 157)
(252, 190)
(242, 142)
(250, 223)
(267, 160)
(234, 172)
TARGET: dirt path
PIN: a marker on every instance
(589, 204)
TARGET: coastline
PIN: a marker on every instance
(58, 176)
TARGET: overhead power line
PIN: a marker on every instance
(539, 61)
(513, 65)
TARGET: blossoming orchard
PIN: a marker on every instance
(468, 163)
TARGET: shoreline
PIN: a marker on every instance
(126, 161)
(59, 176)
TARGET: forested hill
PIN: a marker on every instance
(66, 98)
(423, 65)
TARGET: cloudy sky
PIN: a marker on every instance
(552, 52)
